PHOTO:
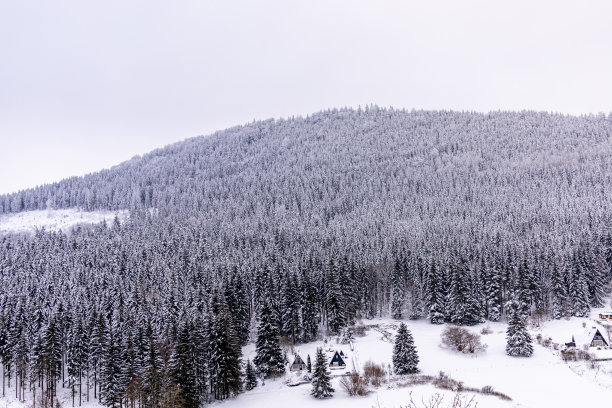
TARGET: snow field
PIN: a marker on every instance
(55, 220)
(542, 380)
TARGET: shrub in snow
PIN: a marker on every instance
(460, 339)
(576, 355)
(321, 379)
(405, 357)
(373, 373)
(436, 401)
(354, 384)
(360, 331)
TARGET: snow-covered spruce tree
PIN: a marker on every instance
(595, 269)
(433, 295)
(525, 291)
(269, 358)
(151, 368)
(559, 294)
(224, 351)
(250, 379)
(578, 289)
(52, 352)
(290, 308)
(321, 378)
(398, 290)
(238, 305)
(77, 354)
(111, 394)
(350, 292)
(517, 337)
(474, 308)
(129, 369)
(183, 369)
(347, 335)
(492, 276)
(416, 297)
(462, 304)
(308, 364)
(405, 356)
(310, 318)
(335, 307)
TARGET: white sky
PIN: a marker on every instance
(87, 84)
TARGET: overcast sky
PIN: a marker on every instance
(85, 85)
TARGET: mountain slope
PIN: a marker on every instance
(377, 173)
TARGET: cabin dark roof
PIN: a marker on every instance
(337, 360)
(298, 360)
(599, 336)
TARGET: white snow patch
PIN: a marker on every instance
(55, 220)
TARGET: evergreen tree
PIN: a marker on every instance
(238, 304)
(578, 290)
(416, 298)
(491, 276)
(129, 367)
(347, 335)
(321, 378)
(398, 294)
(434, 296)
(250, 377)
(405, 357)
(290, 302)
(183, 368)
(518, 338)
(462, 302)
(335, 308)
(269, 358)
(350, 292)
(310, 322)
(224, 350)
(308, 364)
(559, 294)
(111, 393)
(151, 368)
(52, 351)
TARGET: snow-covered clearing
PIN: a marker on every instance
(29, 221)
(543, 380)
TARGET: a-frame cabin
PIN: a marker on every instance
(598, 340)
(298, 364)
(337, 362)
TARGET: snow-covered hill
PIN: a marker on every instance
(55, 220)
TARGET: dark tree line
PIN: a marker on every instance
(134, 323)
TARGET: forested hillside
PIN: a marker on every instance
(444, 216)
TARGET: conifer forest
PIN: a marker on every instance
(296, 227)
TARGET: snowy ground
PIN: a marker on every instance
(29, 221)
(543, 380)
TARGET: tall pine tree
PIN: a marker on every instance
(405, 357)
(321, 378)
(517, 337)
(269, 358)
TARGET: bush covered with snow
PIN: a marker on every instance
(460, 339)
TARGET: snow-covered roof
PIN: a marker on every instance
(585, 336)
